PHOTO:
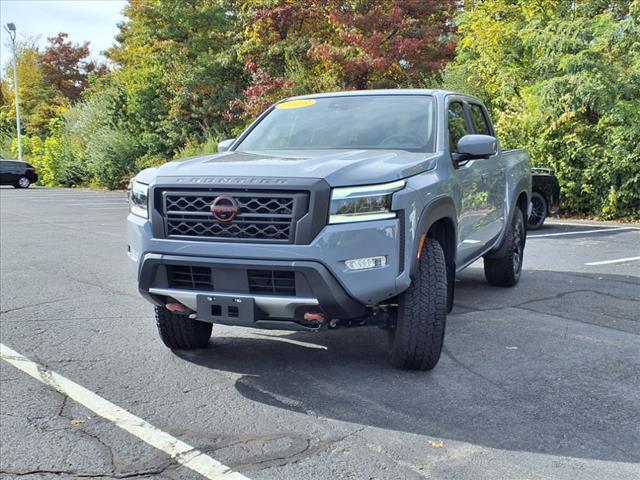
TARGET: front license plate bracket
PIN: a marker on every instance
(226, 308)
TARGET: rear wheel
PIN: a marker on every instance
(538, 211)
(23, 182)
(416, 341)
(504, 270)
(181, 332)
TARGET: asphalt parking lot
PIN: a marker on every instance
(541, 381)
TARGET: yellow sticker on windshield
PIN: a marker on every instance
(295, 104)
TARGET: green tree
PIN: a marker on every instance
(278, 32)
(40, 102)
(179, 70)
(563, 81)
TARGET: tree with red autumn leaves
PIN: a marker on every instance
(358, 44)
(264, 90)
(66, 66)
(386, 43)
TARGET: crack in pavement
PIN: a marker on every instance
(569, 319)
(76, 474)
(299, 456)
(588, 276)
(82, 431)
(112, 473)
(557, 296)
(48, 302)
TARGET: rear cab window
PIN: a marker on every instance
(479, 119)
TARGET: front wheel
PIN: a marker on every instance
(23, 182)
(505, 270)
(538, 211)
(181, 332)
(416, 341)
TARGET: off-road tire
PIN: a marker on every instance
(539, 211)
(416, 341)
(180, 332)
(505, 270)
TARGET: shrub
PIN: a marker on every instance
(5, 146)
(111, 155)
(564, 83)
(205, 147)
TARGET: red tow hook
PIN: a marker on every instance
(176, 307)
(314, 317)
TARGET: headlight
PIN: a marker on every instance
(359, 204)
(138, 199)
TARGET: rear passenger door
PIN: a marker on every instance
(492, 174)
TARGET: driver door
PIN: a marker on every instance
(470, 190)
(492, 174)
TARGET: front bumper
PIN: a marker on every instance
(317, 289)
(323, 281)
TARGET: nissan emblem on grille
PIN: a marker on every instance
(224, 209)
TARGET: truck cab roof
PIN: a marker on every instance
(390, 91)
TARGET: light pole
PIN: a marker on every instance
(11, 29)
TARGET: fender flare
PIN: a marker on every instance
(438, 209)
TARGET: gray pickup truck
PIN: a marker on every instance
(333, 210)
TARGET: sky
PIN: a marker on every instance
(84, 20)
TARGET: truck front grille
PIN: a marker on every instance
(261, 216)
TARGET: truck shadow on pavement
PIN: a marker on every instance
(545, 368)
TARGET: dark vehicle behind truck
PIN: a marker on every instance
(545, 196)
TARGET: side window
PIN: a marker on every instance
(479, 119)
(457, 124)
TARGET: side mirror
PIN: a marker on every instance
(473, 147)
(225, 145)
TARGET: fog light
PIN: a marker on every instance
(367, 262)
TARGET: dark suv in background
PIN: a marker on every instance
(545, 196)
(17, 173)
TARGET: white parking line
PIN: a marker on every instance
(600, 230)
(179, 451)
(617, 260)
(578, 224)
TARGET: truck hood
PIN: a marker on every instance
(337, 167)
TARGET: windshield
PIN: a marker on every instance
(390, 122)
